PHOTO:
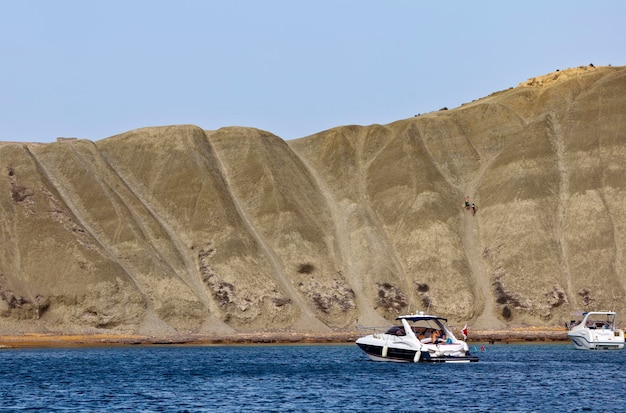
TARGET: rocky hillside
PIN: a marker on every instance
(176, 230)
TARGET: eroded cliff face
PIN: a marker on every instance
(176, 230)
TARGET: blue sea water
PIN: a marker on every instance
(316, 378)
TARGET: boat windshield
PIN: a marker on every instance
(597, 321)
(396, 331)
(427, 323)
(423, 326)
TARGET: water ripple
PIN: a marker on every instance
(509, 378)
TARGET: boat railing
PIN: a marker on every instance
(394, 330)
(373, 329)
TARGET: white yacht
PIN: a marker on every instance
(419, 338)
(596, 331)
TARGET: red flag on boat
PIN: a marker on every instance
(464, 332)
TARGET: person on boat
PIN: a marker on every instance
(396, 331)
(433, 338)
(428, 337)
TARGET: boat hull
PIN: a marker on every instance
(400, 355)
(583, 342)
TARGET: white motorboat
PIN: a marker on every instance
(596, 331)
(419, 338)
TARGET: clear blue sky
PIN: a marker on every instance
(93, 69)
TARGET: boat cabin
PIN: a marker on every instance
(426, 328)
(595, 321)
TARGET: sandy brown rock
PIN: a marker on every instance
(35, 340)
(177, 232)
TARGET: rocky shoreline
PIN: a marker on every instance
(531, 334)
